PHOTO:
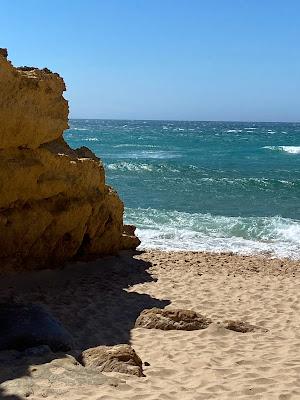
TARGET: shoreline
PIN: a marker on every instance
(274, 236)
(101, 300)
(262, 255)
(268, 256)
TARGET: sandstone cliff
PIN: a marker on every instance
(54, 203)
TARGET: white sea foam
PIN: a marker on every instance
(78, 129)
(137, 167)
(173, 230)
(287, 149)
(91, 139)
(134, 145)
(126, 166)
(150, 154)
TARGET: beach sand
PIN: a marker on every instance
(100, 301)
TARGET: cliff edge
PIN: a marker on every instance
(54, 203)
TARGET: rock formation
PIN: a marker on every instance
(54, 203)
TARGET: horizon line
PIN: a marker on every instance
(185, 120)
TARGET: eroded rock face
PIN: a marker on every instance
(54, 203)
(183, 320)
(32, 108)
(120, 358)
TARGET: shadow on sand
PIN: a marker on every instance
(91, 300)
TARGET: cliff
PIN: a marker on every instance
(54, 203)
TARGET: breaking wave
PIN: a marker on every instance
(173, 230)
(140, 167)
(287, 149)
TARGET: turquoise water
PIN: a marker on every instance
(216, 186)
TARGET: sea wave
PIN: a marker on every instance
(173, 230)
(150, 154)
(179, 174)
(77, 129)
(287, 149)
(192, 175)
(126, 166)
(91, 139)
(260, 184)
(134, 145)
(140, 167)
(252, 182)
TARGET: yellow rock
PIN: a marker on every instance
(54, 203)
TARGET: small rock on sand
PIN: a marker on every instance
(172, 319)
(120, 358)
(242, 327)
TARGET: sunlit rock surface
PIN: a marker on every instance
(54, 203)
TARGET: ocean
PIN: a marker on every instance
(203, 186)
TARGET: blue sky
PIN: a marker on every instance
(164, 59)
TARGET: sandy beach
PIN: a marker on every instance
(98, 302)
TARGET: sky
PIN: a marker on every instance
(234, 60)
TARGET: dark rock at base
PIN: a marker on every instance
(129, 240)
(184, 320)
(25, 326)
(120, 358)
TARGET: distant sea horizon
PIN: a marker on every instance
(203, 185)
(184, 120)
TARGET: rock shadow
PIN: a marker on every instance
(91, 300)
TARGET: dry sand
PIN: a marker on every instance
(100, 301)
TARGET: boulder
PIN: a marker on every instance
(120, 358)
(27, 326)
(169, 319)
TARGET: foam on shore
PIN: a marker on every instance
(173, 230)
